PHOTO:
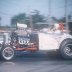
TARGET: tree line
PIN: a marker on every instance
(33, 18)
(26, 19)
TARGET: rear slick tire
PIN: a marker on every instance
(66, 49)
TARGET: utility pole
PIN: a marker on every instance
(30, 17)
(0, 21)
(31, 23)
(66, 16)
(49, 15)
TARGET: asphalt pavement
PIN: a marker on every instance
(37, 62)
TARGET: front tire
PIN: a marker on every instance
(7, 53)
(66, 49)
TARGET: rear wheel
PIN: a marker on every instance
(7, 53)
(66, 49)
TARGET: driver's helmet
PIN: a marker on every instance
(56, 26)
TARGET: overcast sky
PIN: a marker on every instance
(9, 8)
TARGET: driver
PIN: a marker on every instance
(58, 28)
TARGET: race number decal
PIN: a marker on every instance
(23, 40)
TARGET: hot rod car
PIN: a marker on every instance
(21, 40)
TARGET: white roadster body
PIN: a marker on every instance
(52, 41)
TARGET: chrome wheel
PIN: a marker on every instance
(68, 49)
(8, 53)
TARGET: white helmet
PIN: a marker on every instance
(56, 26)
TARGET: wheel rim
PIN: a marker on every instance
(68, 49)
(8, 53)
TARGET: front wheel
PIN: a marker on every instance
(7, 53)
(66, 49)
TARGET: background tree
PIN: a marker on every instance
(20, 18)
(54, 19)
(24, 18)
(63, 19)
(37, 17)
(69, 17)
